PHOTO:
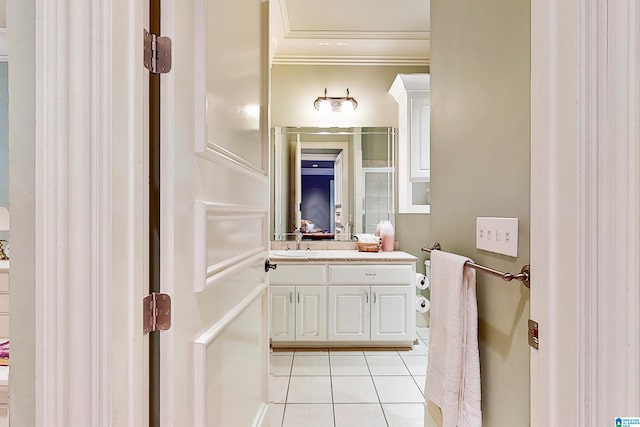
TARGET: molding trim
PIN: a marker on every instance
(219, 154)
(358, 35)
(206, 275)
(4, 48)
(262, 417)
(73, 208)
(609, 202)
(585, 189)
(350, 60)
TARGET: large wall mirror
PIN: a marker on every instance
(331, 183)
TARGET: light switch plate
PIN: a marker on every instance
(499, 235)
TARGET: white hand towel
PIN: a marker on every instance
(453, 372)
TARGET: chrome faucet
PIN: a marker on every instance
(298, 234)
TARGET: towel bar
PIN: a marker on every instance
(523, 276)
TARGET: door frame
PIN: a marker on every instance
(47, 149)
(585, 186)
(78, 225)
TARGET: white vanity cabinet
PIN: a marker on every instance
(298, 313)
(343, 298)
(372, 312)
(298, 303)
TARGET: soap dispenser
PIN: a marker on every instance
(387, 235)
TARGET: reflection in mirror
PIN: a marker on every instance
(331, 183)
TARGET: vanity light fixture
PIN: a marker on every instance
(328, 104)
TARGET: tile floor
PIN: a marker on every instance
(349, 388)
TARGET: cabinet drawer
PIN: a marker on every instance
(298, 274)
(4, 282)
(371, 274)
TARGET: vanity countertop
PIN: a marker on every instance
(350, 256)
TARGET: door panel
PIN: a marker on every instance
(228, 358)
(230, 62)
(391, 312)
(214, 211)
(311, 313)
(349, 313)
(282, 313)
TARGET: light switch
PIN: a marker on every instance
(499, 235)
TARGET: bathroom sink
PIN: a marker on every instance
(297, 253)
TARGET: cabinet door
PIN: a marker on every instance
(311, 313)
(282, 312)
(393, 315)
(349, 313)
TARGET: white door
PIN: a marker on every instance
(349, 318)
(214, 214)
(311, 313)
(282, 313)
(391, 314)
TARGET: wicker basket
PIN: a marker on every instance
(368, 247)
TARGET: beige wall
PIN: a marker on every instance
(295, 87)
(480, 73)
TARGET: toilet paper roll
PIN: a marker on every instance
(422, 304)
(422, 281)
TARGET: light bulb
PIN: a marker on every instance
(325, 106)
(347, 107)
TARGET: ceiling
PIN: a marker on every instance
(354, 32)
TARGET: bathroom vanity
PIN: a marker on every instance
(342, 298)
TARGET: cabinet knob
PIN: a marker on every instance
(366, 297)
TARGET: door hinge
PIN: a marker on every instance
(157, 312)
(157, 53)
(533, 334)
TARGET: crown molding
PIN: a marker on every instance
(357, 35)
(350, 60)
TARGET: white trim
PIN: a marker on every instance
(233, 266)
(200, 77)
(223, 156)
(262, 417)
(350, 60)
(359, 35)
(585, 187)
(101, 208)
(73, 207)
(206, 275)
(4, 51)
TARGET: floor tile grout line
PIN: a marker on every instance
(366, 360)
(371, 376)
(333, 408)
